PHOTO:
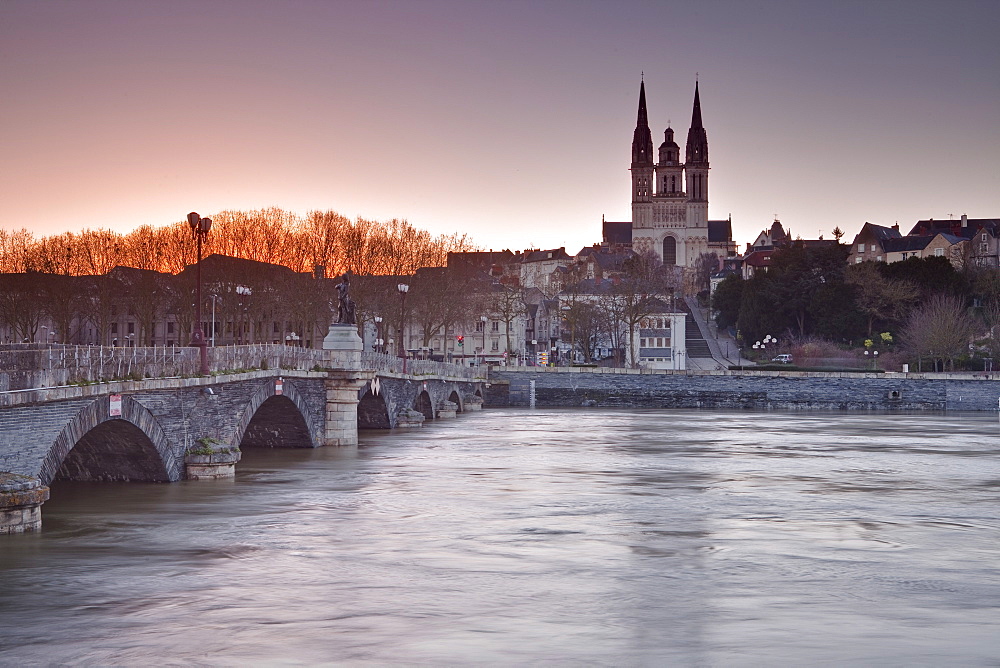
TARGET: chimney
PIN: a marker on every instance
(896, 227)
(965, 220)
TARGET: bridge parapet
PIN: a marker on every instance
(27, 367)
(392, 364)
(56, 365)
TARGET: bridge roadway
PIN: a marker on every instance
(170, 428)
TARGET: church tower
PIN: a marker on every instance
(642, 165)
(669, 170)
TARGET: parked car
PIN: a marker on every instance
(782, 359)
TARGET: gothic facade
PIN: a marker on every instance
(670, 197)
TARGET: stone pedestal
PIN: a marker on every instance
(21, 499)
(345, 347)
(474, 404)
(219, 464)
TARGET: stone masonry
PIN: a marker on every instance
(750, 390)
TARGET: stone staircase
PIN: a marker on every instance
(697, 346)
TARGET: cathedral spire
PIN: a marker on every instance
(642, 139)
(696, 153)
(642, 120)
(696, 112)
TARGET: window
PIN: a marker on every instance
(861, 248)
(479, 326)
(131, 328)
(938, 252)
(874, 247)
(878, 258)
(495, 326)
(495, 344)
(669, 251)
(170, 328)
(984, 248)
(114, 328)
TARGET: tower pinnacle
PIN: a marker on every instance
(642, 139)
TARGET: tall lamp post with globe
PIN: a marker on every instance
(200, 228)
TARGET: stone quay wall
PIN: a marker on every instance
(761, 390)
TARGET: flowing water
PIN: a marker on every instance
(548, 537)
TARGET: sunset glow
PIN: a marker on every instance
(511, 122)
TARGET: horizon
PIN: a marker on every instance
(487, 121)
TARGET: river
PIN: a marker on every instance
(559, 537)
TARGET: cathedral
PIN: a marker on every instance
(670, 197)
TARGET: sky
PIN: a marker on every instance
(508, 121)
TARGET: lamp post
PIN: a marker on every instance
(483, 319)
(403, 289)
(213, 297)
(378, 333)
(200, 228)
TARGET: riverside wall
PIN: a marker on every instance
(759, 390)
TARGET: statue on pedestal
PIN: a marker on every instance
(346, 306)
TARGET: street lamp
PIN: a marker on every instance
(378, 333)
(214, 297)
(483, 319)
(403, 289)
(200, 228)
(874, 359)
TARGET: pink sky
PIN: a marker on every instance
(510, 121)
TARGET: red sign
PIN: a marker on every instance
(116, 405)
(278, 385)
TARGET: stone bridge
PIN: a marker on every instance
(168, 429)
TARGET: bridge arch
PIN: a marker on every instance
(276, 420)
(423, 405)
(456, 399)
(373, 412)
(95, 445)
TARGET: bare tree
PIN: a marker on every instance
(941, 329)
(506, 303)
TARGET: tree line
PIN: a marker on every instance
(926, 311)
(321, 238)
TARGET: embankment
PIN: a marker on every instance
(795, 390)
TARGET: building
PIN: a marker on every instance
(670, 197)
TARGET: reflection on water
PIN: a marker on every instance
(566, 537)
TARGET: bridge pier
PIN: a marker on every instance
(341, 423)
(21, 499)
(211, 464)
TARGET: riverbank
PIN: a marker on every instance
(762, 390)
